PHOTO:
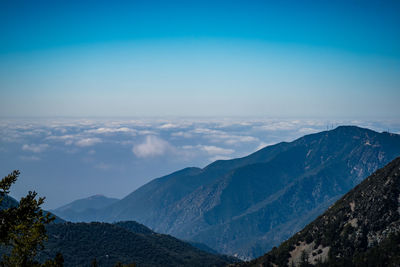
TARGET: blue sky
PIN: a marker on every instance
(200, 58)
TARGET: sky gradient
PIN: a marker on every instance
(200, 58)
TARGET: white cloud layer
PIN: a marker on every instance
(106, 130)
(169, 126)
(214, 150)
(280, 126)
(182, 134)
(88, 142)
(218, 157)
(35, 148)
(153, 146)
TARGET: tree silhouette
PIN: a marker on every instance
(22, 227)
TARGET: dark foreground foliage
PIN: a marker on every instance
(124, 242)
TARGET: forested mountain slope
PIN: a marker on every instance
(125, 242)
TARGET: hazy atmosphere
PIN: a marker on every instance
(200, 133)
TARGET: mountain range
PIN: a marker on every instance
(246, 206)
(360, 229)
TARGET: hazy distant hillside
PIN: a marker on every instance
(246, 206)
(81, 208)
(361, 229)
(126, 242)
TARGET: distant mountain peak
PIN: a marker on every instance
(78, 208)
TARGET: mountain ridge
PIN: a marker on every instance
(75, 209)
(245, 206)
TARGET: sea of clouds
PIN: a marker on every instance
(66, 159)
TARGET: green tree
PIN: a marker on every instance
(22, 228)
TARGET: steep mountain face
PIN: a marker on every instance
(246, 206)
(125, 242)
(360, 229)
(82, 209)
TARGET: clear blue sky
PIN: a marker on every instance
(200, 58)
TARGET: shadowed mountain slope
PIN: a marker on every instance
(360, 229)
